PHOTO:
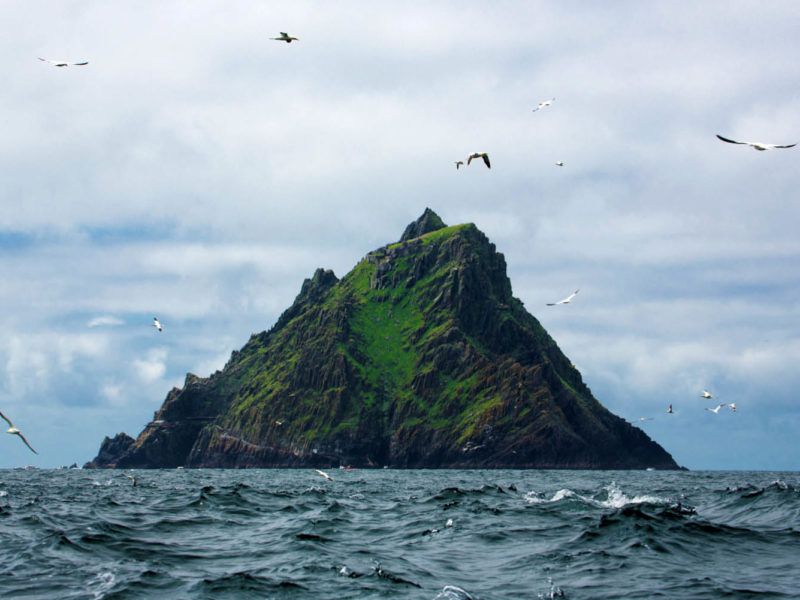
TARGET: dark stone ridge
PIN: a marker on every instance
(419, 357)
(427, 223)
(110, 451)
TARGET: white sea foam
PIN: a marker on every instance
(101, 583)
(614, 497)
(452, 592)
(3, 493)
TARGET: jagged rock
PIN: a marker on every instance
(419, 357)
(110, 451)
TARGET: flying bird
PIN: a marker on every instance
(669, 410)
(757, 145)
(458, 164)
(715, 410)
(544, 104)
(732, 406)
(62, 63)
(559, 164)
(640, 419)
(284, 37)
(482, 155)
(157, 324)
(14, 431)
(324, 474)
(566, 300)
(705, 394)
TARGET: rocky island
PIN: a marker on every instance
(420, 357)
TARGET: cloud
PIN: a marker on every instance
(105, 321)
(151, 367)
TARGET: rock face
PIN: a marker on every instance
(419, 357)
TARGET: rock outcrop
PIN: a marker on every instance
(419, 357)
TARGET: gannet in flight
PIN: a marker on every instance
(482, 155)
(715, 410)
(14, 431)
(324, 474)
(458, 164)
(157, 324)
(62, 63)
(544, 104)
(641, 419)
(757, 145)
(559, 164)
(705, 394)
(284, 37)
(566, 300)
(732, 406)
(669, 410)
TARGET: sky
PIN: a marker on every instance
(197, 171)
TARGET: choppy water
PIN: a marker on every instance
(433, 535)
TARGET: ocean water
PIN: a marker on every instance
(427, 534)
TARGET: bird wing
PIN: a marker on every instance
(788, 146)
(730, 141)
(22, 437)
(486, 160)
(80, 64)
(6, 419)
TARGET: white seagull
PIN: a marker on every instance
(14, 431)
(705, 394)
(544, 104)
(566, 300)
(640, 419)
(482, 155)
(63, 63)
(715, 410)
(157, 324)
(284, 37)
(757, 145)
(324, 474)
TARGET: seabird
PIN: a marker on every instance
(669, 410)
(62, 63)
(732, 406)
(324, 474)
(640, 419)
(715, 410)
(14, 431)
(482, 155)
(705, 394)
(544, 104)
(132, 478)
(559, 164)
(157, 325)
(757, 145)
(458, 164)
(566, 300)
(284, 37)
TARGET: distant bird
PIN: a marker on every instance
(544, 104)
(482, 155)
(559, 164)
(284, 37)
(757, 145)
(640, 419)
(132, 478)
(157, 324)
(324, 474)
(62, 63)
(732, 406)
(715, 410)
(566, 300)
(278, 423)
(458, 164)
(705, 394)
(669, 410)
(14, 431)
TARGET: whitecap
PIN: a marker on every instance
(616, 498)
(453, 592)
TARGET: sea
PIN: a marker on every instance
(411, 534)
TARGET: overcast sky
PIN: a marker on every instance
(198, 171)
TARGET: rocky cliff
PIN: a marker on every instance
(419, 357)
